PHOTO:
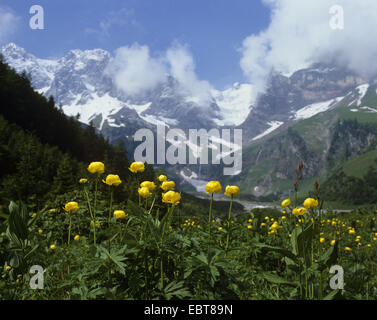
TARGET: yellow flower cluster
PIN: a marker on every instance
(71, 206)
(232, 191)
(190, 223)
(112, 180)
(298, 211)
(286, 203)
(162, 178)
(96, 167)
(137, 167)
(171, 197)
(168, 185)
(213, 187)
(120, 214)
(310, 203)
(148, 184)
(144, 192)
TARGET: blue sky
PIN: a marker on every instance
(213, 30)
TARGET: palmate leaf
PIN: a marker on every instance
(176, 290)
(116, 257)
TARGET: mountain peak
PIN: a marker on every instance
(13, 50)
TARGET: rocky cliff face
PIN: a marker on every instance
(285, 96)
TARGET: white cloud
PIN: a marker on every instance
(299, 34)
(8, 24)
(182, 67)
(134, 71)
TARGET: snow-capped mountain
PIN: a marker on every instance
(80, 84)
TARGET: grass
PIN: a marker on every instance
(358, 166)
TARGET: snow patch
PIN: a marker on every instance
(362, 92)
(234, 103)
(313, 109)
(273, 126)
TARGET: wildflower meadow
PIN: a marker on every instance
(94, 247)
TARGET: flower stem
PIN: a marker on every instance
(91, 215)
(111, 204)
(210, 220)
(229, 217)
(69, 228)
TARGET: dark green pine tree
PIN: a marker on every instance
(65, 179)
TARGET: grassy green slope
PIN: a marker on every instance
(316, 132)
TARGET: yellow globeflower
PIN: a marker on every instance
(168, 185)
(332, 242)
(298, 211)
(83, 180)
(120, 214)
(286, 203)
(322, 240)
(220, 229)
(34, 215)
(213, 187)
(8, 268)
(262, 224)
(77, 237)
(52, 247)
(137, 167)
(310, 203)
(347, 249)
(352, 231)
(112, 180)
(148, 184)
(71, 206)
(144, 192)
(274, 226)
(283, 217)
(162, 178)
(171, 197)
(250, 227)
(96, 167)
(231, 191)
(40, 231)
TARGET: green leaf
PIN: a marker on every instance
(331, 295)
(282, 251)
(5, 216)
(329, 257)
(273, 278)
(176, 290)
